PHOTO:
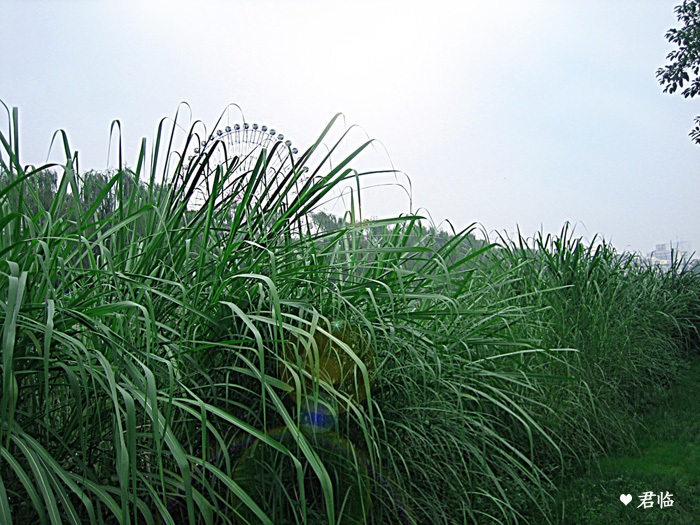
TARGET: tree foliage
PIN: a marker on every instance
(39, 188)
(683, 71)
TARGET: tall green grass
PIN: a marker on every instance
(157, 356)
(633, 325)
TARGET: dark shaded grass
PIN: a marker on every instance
(667, 460)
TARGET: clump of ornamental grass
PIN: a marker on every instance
(633, 324)
(445, 405)
(144, 339)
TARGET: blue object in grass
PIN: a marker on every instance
(317, 416)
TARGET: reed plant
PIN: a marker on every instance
(163, 357)
(633, 323)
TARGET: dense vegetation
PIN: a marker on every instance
(667, 459)
(161, 362)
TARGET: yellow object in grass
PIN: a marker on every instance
(337, 361)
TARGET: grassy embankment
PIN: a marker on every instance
(160, 364)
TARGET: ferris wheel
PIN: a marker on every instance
(235, 151)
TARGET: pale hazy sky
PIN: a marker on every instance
(506, 113)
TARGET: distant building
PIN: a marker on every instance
(670, 253)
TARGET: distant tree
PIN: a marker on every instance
(327, 222)
(45, 183)
(38, 191)
(110, 204)
(684, 67)
(93, 185)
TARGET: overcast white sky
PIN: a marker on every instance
(503, 113)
